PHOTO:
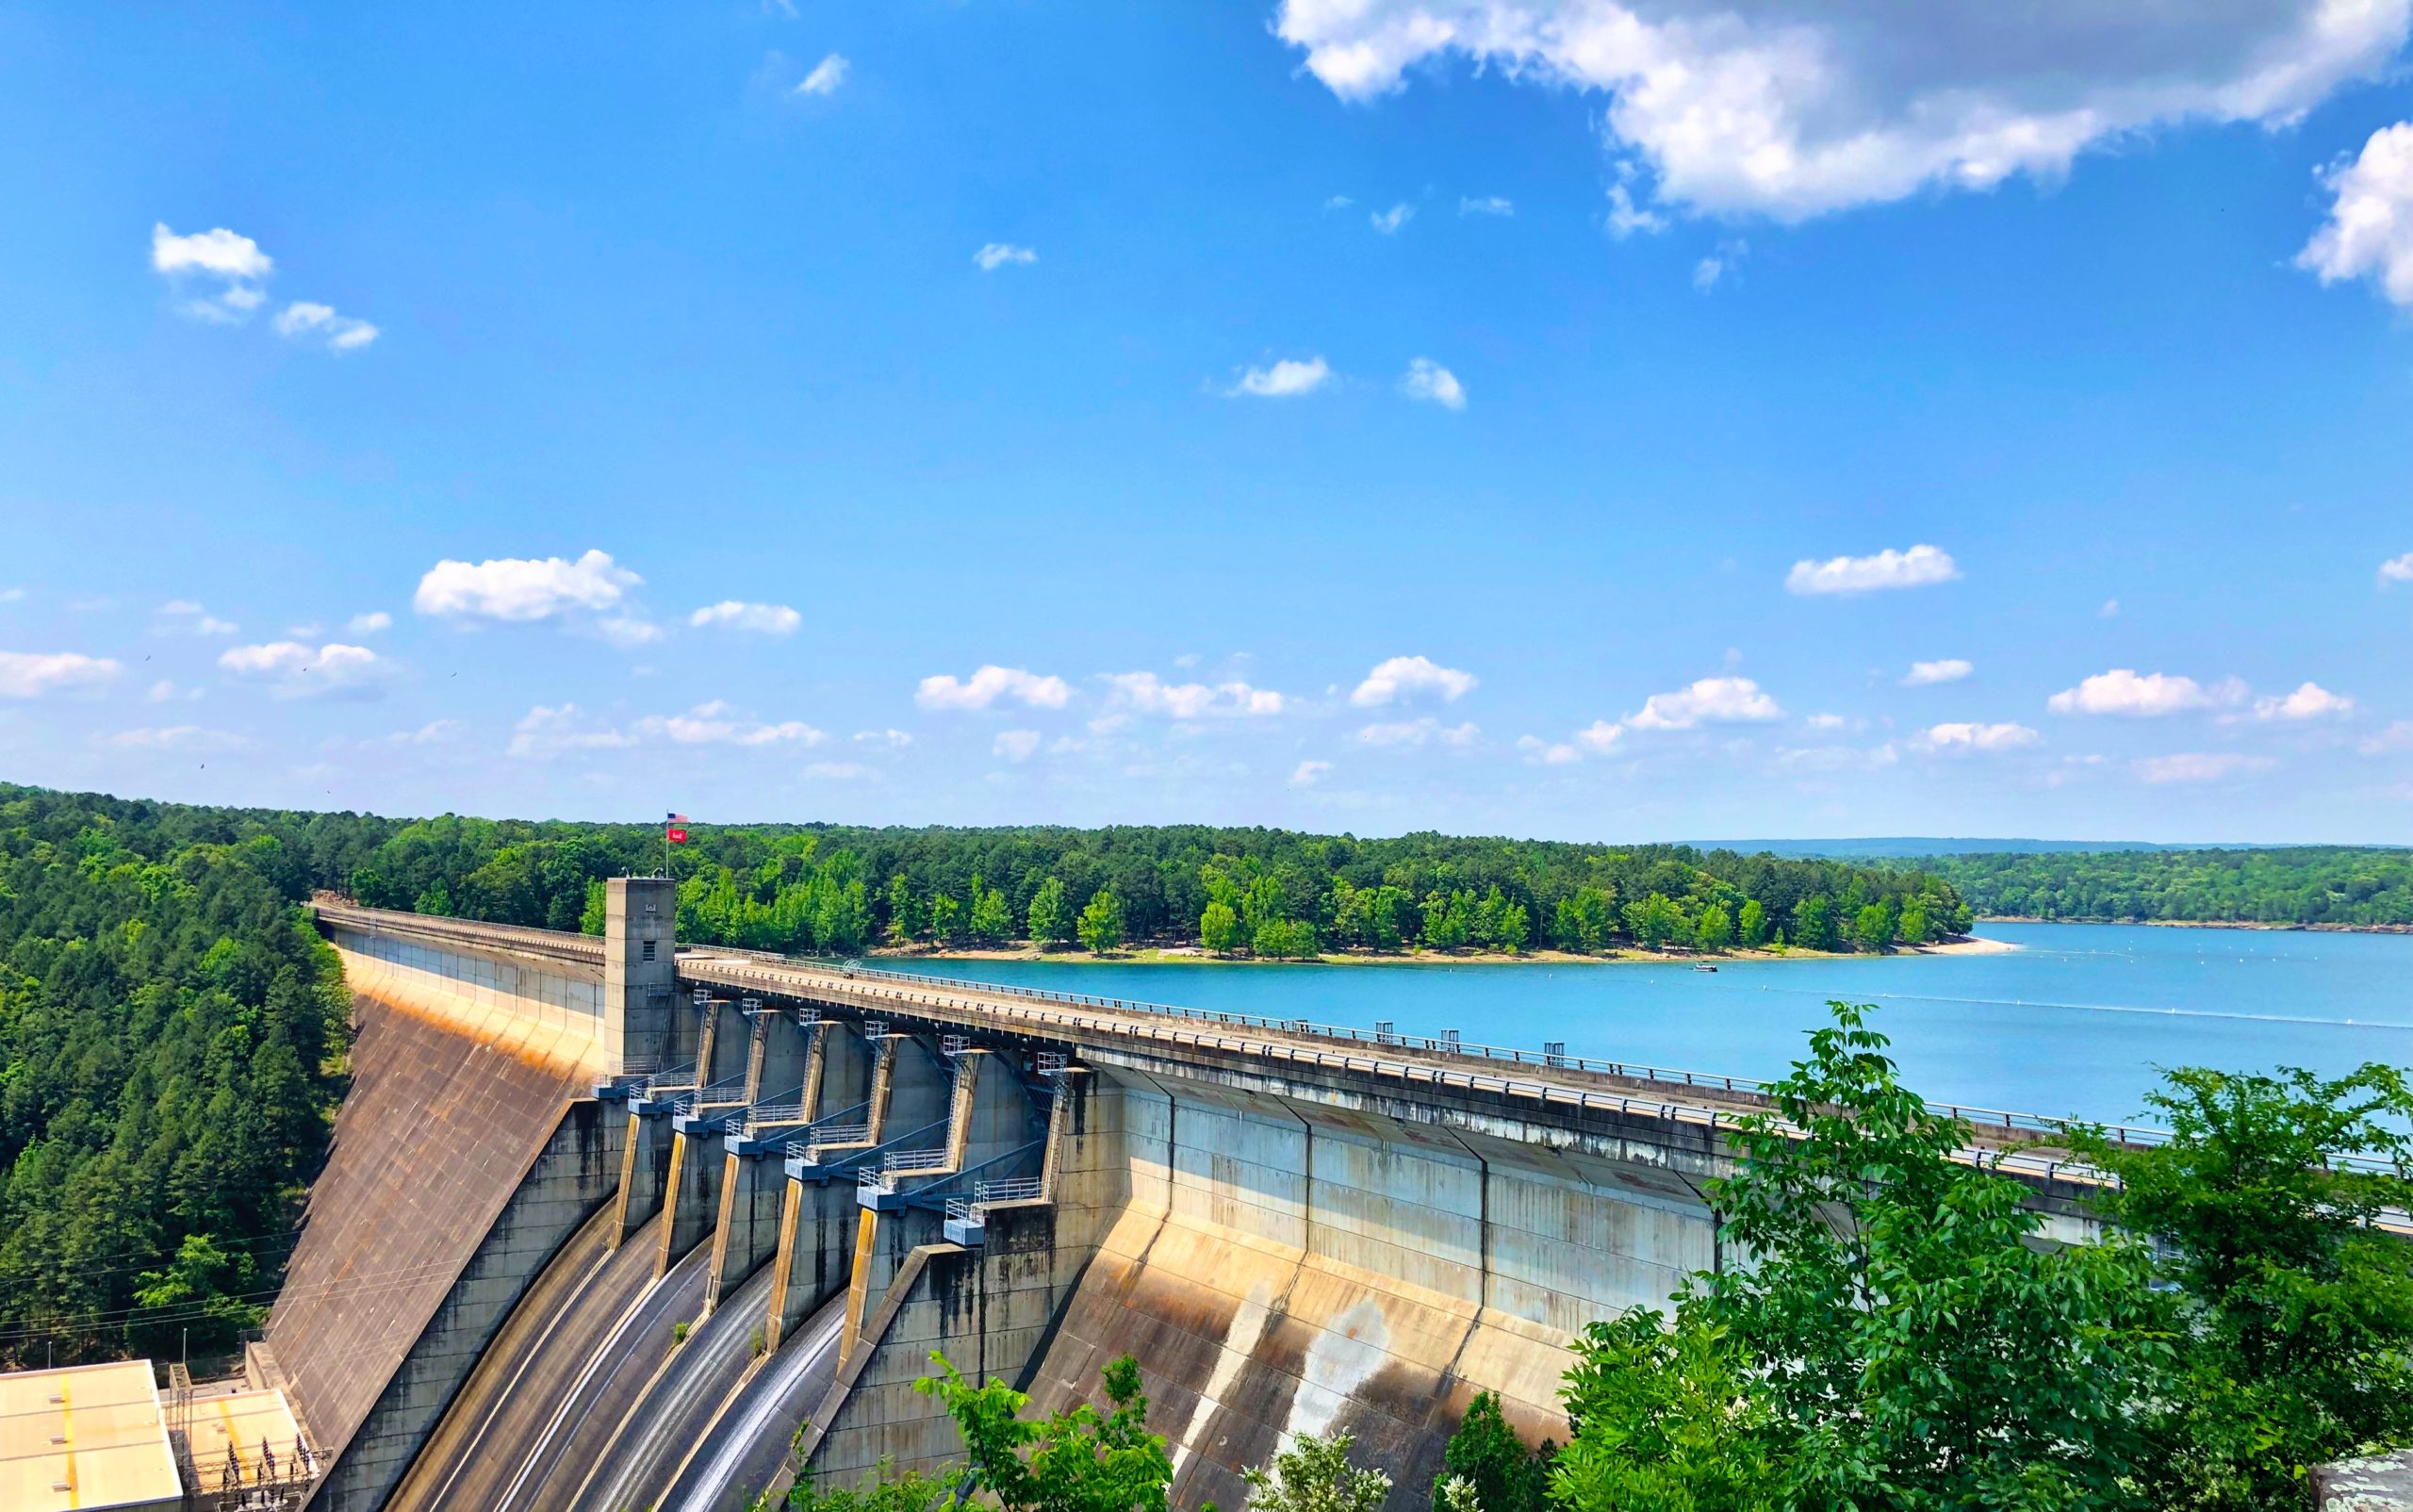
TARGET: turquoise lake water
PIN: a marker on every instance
(2071, 1023)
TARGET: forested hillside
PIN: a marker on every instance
(1270, 891)
(171, 1033)
(2296, 884)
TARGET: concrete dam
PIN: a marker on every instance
(612, 1223)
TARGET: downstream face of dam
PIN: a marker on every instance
(611, 1223)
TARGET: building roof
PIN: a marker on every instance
(256, 1424)
(86, 1436)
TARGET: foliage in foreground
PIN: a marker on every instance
(1907, 1343)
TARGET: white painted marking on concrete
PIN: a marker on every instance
(1239, 1343)
(1343, 1358)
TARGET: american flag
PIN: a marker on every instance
(674, 829)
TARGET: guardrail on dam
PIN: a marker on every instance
(558, 1147)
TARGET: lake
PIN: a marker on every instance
(2071, 1023)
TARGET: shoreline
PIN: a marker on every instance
(2211, 924)
(1195, 956)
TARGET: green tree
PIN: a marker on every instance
(1583, 920)
(1486, 1453)
(904, 918)
(1653, 921)
(590, 917)
(1921, 1352)
(1873, 927)
(993, 921)
(1716, 930)
(1102, 922)
(1665, 1421)
(943, 922)
(1313, 1475)
(885, 1490)
(1753, 923)
(1814, 923)
(1051, 915)
(1079, 1460)
(1218, 928)
(1285, 940)
(1915, 928)
(2293, 1309)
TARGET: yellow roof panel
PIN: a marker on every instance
(87, 1436)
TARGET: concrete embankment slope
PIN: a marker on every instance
(465, 1156)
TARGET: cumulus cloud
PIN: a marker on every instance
(893, 739)
(997, 255)
(1797, 110)
(2111, 609)
(2197, 767)
(2309, 702)
(1388, 221)
(1548, 754)
(826, 76)
(2399, 569)
(1710, 700)
(2370, 230)
(1406, 677)
(2398, 737)
(760, 619)
(304, 321)
(1418, 733)
(174, 737)
(716, 724)
(2149, 695)
(1926, 674)
(1428, 379)
(990, 683)
(1826, 721)
(1014, 745)
(1490, 205)
(1285, 379)
(370, 623)
(561, 730)
(293, 670)
(1889, 568)
(1308, 773)
(1149, 694)
(185, 616)
(522, 588)
(233, 264)
(1965, 737)
(31, 674)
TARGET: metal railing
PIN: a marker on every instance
(763, 1114)
(732, 1091)
(1016, 1189)
(823, 1137)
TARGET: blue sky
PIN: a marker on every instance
(1529, 417)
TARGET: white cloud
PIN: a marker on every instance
(1796, 110)
(714, 724)
(1600, 736)
(2197, 767)
(826, 76)
(293, 670)
(987, 685)
(1826, 721)
(893, 739)
(30, 674)
(1427, 379)
(546, 733)
(1626, 218)
(1285, 379)
(522, 588)
(1710, 700)
(997, 255)
(838, 771)
(186, 616)
(760, 619)
(2398, 737)
(12, 595)
(1338, 202)
(234, 264)
(1706, 273)
(1388, 221)
(1014, 745)
(303, 320)
(370, 623)
(1889, 568)
(1491, 205)
(1546, 753)
(1926, 674)
(165, 691)
(2309, 701)
(433, 732)
(2370, 230)
(1404, 677)
(628, 631)
(174, 737)
(1148, 693)
(1836, 758)
(2111, 609)
(1979, 737)
(1307, 774)
(1420, 731)
(2399, 569)
(2122, 690)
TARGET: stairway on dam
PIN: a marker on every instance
(608, 1223)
